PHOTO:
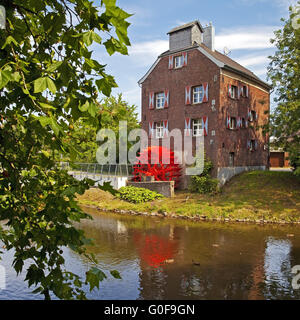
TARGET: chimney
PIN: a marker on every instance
(209, 37)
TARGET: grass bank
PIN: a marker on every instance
(256, 196)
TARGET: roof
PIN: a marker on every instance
(219, 59)
(187, 25)
(229, 62)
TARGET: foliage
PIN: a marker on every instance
(48, 81)
(82, 135)
(204, 183)
(285, 75)
(137, 195)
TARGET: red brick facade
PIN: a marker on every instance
(219, 141)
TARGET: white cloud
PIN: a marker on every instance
(145, 53)
(284, 4)
(252, 60)
(245, 38)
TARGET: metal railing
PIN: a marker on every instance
(120, 170)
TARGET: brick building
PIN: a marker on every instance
(192, 86)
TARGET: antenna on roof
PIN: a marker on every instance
(226, 51)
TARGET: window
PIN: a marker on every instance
(252, 145)
(231, 159)
(197, 127)
(159, 100)
(233, 92)
(243, 123)
(198, 94)
(244, 91)
(232, 124)
(178, 61)
(252, 116)
(159, 130)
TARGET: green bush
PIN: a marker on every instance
(137, 195)
(204, 183)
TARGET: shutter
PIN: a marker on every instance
(166, 128)
(239, 92)
(151, 129)
(229, 90)
(247, 91)
(256, 116)
(188, 95)
(184, 57)
(255, 145)
(238, 122)
(151, 100)
(166, 93)
(187, 127)
(205, 89)
(171, 62)
(246, 123)
(249, 114)
(205, 125)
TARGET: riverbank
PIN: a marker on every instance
(259, 197)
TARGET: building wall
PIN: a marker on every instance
(236, 140)
(200, 69)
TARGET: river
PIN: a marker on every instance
(173, 259)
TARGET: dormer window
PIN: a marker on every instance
(178, 61)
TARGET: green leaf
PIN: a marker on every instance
(41, 84)
(108, 188)
(47, 106)
(8, 41)
(5, 77)
(54, 66)
(55, 127)
(84, 107)
(94, 276)
(88, 38)
(44, 121)
(115, 274)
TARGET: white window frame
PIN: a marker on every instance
(178, 61)
(159, 129)
(197, 127)
(199, 95)
(232, 120)
(159, 100)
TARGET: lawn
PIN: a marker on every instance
(258, 195)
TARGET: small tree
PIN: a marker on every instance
(285, 75)
(82, 135)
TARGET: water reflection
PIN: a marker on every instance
(162, 259)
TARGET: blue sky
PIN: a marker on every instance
(244, 26)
